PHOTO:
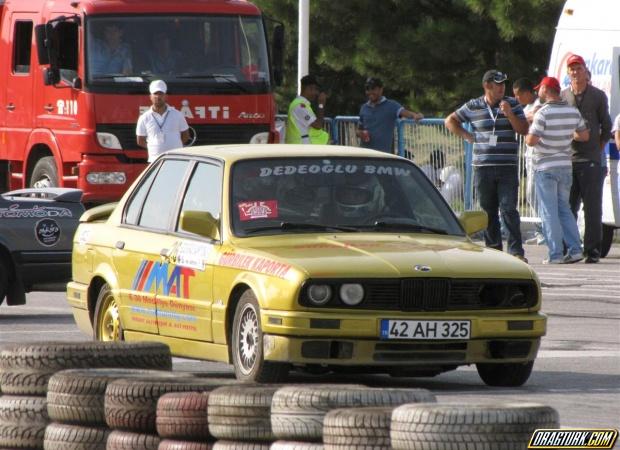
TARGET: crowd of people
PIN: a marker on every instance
(565, 130)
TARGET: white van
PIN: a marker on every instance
(591, 29)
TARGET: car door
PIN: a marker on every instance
(143, 243)
(185, 311)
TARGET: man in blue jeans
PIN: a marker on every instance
(495, 120)
(555, 126)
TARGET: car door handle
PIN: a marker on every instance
(10, 107)
(120, 245)
(49, 108)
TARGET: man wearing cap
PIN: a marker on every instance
(378, 117)
(495, 119)
(587, 185)
(161, 127)
(302, 125)
(554, 127)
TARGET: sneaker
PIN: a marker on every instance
(532, 241)
(553, 261)
(592, 259)
(521, 257)
(570, 259)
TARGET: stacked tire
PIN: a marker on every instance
(315, 417)
(25, 370)
(182, 421)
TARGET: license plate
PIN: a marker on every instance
(425, 329)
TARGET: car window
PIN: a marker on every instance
(134, 205)
(161, 198)
(204, 192)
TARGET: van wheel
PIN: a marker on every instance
(4, 279)
(45, 173)
(107, 326)
(247, 345)
(608, 236)
(505, 374)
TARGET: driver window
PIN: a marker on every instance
(204, 192)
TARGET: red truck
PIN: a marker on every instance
(74, 78)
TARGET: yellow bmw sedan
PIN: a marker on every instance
(281, 257)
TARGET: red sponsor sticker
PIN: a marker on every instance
(263, 209)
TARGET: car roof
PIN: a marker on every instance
(232, 153)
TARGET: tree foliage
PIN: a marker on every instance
(431, 54)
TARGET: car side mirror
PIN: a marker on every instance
(201, 223)
(473, 221)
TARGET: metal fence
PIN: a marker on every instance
(444, 157)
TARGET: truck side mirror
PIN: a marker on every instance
(277, 52)
(51, 76)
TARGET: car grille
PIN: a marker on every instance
(206, 134)
(423, 352)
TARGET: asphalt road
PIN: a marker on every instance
(577, 370)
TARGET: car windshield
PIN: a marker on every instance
(213, 52)
(296, 195)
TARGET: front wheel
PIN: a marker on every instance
(44, 173)
(608, 236)
(505, 374)
(107, 323)
(247, 345)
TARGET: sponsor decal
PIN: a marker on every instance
(84, 236)
(36, 212)
(574, 438)
(253, 116)
(190, 254)
(161, 278)
(254, 263)
(213, 112)
(327, 167)
(47, 232)
(264, 209)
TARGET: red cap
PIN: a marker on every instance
(551, 82)
(575, 59)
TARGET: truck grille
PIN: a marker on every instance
(206, 134)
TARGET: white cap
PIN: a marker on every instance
(158, 86)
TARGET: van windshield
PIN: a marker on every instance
(216, 53)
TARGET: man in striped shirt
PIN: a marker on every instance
(494, 119)
(555, 126)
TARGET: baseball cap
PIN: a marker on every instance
(309, 80)
(372, 82)
(495, 76)
(575, 59)
(158, 86)
(551, 82)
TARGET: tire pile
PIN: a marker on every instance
(122, 396)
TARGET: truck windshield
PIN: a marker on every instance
(216, 53)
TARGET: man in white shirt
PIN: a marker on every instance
(161, 127)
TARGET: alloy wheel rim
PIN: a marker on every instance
(109, 328)
(248, 339)
(43, 183)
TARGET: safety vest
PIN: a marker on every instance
(293, 133)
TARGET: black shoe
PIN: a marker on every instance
(592, 259)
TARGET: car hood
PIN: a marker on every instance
(392, 256)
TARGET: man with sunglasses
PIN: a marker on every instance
(378, 117)
(495, 120)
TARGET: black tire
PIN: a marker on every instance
(291, 445)
(462, 427)
(22, 421)
(4, 176)
(505, 374)
(131, 404)
(247, 345)
(4, 279)
(238, 445)
(168, 444)
(107, 325)
(77, 396)
(72, 437)
(183, 415)
(44, 173)
(297, 412)
(357, 429)
(25, 369)
(126, 440)
(607, 238)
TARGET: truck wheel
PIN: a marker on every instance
(4, 279)
(107, 320)
(44, 173)
(505, 374)
(247, 345)
(608, 235)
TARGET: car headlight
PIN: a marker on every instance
(260, 138)
(319, 294)
(351, 294)
(108, 140)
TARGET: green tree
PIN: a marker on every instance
(431, 54)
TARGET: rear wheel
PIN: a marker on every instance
(247, 345)
(107, 326)
(505, 374)
(608, 235)
(45, 173)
